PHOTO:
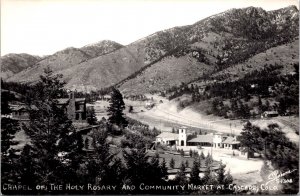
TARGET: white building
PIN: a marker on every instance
(171, 139)
(216, 140)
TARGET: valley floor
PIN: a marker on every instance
(165, 115)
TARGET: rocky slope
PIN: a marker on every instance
(228, 43)
(65, 59)
(14, 63)
(180, 54)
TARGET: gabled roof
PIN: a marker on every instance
(202, 139)
(168, 136)
(230, 140)
(63, 101)
(79, 99)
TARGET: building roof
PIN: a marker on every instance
(230, 140)
(168, 136)
(63, 101)
(19, 107)
(270, 112)
(202, 139)
(79, 99)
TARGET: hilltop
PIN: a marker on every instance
(15, 63)
(174, 56)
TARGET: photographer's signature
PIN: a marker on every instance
(277, 176)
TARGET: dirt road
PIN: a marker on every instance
(167, 112)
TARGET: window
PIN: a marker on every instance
(77, 107)
(77, 116)
(83, 116)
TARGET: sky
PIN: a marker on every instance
(43, 27)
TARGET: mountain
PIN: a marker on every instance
(178, 55)
(101, 48)
(65, 59)
(221, 42)
(14, 63)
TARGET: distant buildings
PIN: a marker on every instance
(209, 140)
(75, 108)
(171, 139)
(19, 111)
(268, 114)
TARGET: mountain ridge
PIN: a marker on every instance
(215, 42)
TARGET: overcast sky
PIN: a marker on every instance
(42, 27)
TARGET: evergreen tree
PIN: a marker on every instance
(208, 160)
(103, 168)
(195, 179)
(91, 116)
(86, 143)
(187, 164)
(115, 109)
(164, 169)
(191, 153)
(250, 138)
(202, 156)
(181, 178)
(155, 170)
(181, 152)
(221, 174)
(130, 110)
(5, 97)
(138, 169)
(55, 147)
(173, 130)
(172, 163)
(9, 158)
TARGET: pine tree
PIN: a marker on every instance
(138, 169)
(5, 97)
(187, 164)
(181, 178)
(227, 181)
(164, 169)
(98, 167)
(115, 109)
(208, 160)
(195, 179)
(155, 169)
(221, 174)
(250, 138)
(91, 116)
(9, 158)
(173, 130)
(130, 110)
(55, 147)
(172, 163)
(202, 156)
(181, 152)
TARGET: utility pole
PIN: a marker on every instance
(211, 150)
